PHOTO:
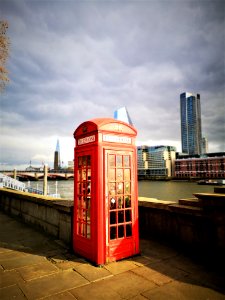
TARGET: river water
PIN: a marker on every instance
(162, 190)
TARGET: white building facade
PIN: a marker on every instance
(156, 162)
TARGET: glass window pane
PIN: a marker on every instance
(128, 215)
(120, 202)
(89, 174)
(119, 161)
(84, 196)
(120, 231)
(79, 203)
(119, 189)
(119, 175)
(112, 189)
(112, 160)
(111, 175)
(127, 174)
(127, 201)
(84, 172)
(79, 227)
(127, 187)
(89, 188)
(79, 189)
(84, 162)
(113, 235)
(121, 216)
(112, 217)
(88, 232)
(79, 175)
(126, 161)
(88, 160)
(79, 161)
(128, 230)
(88, 209)
(79, 213)
(112, 203)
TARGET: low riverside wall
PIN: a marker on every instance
(196, 224)
(53, 216)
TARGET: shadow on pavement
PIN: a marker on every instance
(161, 269)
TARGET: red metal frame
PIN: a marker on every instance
(105, 191)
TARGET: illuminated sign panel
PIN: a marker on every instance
(86, 140)
(116, 139)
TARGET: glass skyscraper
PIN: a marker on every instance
(191, 131)
(122, 114)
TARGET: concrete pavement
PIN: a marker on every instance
(35, 266)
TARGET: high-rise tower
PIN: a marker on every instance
(191, 129)
(122, 114)
(57, 157)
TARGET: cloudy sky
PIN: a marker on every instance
(71, 61)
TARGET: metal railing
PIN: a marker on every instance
(11, 183)
(14, 184)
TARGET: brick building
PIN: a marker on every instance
(211, 165)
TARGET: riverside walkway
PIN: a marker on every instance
(36, 266)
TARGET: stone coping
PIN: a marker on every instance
(154, 203)
(211, 199)
(60, 204)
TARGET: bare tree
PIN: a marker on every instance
(4, 53)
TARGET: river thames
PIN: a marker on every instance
(161, 190)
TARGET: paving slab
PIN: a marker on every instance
(37, 270)
(52, 284)
(128, 284)
(12, 292)
(152, 275)
(96, 291)
(67, 265)
(92, 273)
(22, 261)
(9, 278)
(121, 266)
(142, 260)
(210, 276)
(7, 255)
(62, 296)
(164, 267)
(182, 291)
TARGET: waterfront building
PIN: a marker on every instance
(210, 165)
(71, 165)
(122, 114)
(156, 162)
(57, 165)
(191, 131)
(204, 145)
(33, 169)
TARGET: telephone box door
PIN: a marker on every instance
(121, 199)
(83, 202)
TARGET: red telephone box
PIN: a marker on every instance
(105, 191)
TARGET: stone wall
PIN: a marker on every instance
(196, 224)
(51, 215)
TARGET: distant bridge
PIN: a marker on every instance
(25, 175)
